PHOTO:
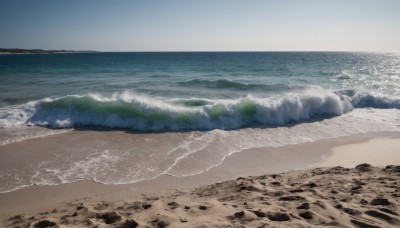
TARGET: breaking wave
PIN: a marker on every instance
(141, 113)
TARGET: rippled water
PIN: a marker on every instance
(208, 106)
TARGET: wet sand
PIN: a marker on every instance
(61, 202)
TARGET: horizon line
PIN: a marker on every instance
(256, 51)
(199, 51)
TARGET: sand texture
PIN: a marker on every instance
(364, 196)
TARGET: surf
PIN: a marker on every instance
(144, 113)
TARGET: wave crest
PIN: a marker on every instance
(132, 111)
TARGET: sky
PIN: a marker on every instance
(201, 25)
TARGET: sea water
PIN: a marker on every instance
(210, 104)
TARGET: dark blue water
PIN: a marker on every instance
(207, 106)
(206, 90)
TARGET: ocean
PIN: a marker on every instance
(182, 113)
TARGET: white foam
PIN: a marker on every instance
(225, 143)
(138, 112)
(184, 154)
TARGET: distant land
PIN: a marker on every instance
(35, 51)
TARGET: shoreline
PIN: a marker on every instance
(251, 162)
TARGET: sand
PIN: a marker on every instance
(374, 151)
(362, 196)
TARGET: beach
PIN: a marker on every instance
(200, 114)
(234, 193)
(173, 132)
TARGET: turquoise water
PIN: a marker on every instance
(184, 112)
(189, 91)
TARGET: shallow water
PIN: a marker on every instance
(118, 157)
(181, 113)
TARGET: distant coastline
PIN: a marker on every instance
(36, 51)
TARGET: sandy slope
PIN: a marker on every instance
(364, 196)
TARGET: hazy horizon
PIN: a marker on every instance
(205, 51)
(201, 26)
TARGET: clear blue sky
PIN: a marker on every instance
(201, 25)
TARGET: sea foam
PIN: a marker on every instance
(144, 113)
